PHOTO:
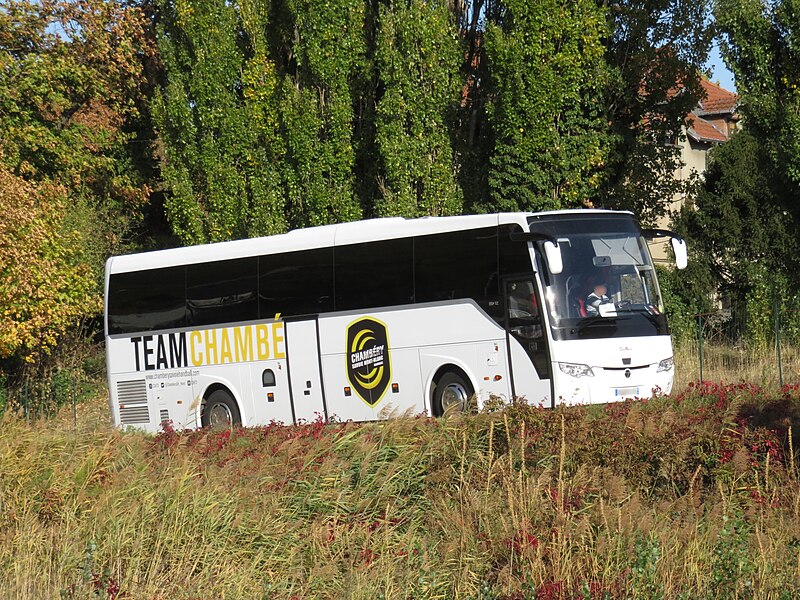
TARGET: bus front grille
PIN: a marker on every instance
(132, 399)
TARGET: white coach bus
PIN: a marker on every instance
(363, 320)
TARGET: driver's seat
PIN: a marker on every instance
(582, 307)
(575, 300)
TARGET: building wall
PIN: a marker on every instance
(693, 156)
(715, 120)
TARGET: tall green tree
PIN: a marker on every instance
(256, 115)
(537, 87)
(746, 219)
(201, 120)
(655, 51)
(320, 50)
(745, 222)
(417, 57)
(265, 148)
(761, 45)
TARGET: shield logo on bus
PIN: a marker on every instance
(369, 368)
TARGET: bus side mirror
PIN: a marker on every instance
(681, 256)
(553, 253)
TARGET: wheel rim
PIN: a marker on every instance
(454, 398)
(220, 415)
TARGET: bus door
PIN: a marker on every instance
(529, 360)
(305, 376)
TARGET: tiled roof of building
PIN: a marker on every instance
(704, 131)
(720, 104)
(718, 100)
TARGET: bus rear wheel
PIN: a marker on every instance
(451, 395)
(221, 410)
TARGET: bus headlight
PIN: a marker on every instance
(666, 365)
(576, 370)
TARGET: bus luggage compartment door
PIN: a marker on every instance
(305, 378)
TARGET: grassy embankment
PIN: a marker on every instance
(736, 363)
(694, 496)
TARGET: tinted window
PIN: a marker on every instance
(296, 283)
(147, 300)
(461, 264)
(224, 291)
(374, 274)
(515, 259)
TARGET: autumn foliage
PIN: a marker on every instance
(71, 103)
(44, 286)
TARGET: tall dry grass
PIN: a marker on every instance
(736, 363)
(694, 496)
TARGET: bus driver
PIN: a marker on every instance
(598, 296)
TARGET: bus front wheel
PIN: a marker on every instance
(451, 395)
(221, 410)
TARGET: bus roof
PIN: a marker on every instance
(322, 236)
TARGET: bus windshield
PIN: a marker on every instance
(608, 286)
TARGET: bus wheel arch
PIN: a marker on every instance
(219, 408)
(450, 387)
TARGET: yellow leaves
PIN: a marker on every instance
(43, 287)
(185, 11)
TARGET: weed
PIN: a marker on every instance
(732, 569)
(644, 580)
(694, 495)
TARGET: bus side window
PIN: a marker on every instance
(459, 264)
(522, 300)
(295, 283)
(147, 300)
(268, 378)
(222, 291)
(374, 274)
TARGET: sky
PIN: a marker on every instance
(719, 72)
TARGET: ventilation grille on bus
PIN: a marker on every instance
(132, 398)
(164, 415)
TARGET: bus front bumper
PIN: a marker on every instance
(584, 384)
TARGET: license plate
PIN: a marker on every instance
(628, 391)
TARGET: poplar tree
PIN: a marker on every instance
(417, 58)
(265, 149)
(544, 78)
(320, 51)
(201, 121)
(256, 115)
